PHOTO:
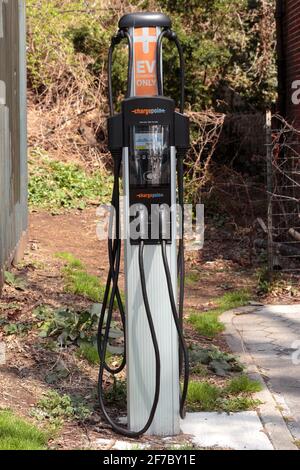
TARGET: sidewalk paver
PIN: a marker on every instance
(235, 431)
(271, 335)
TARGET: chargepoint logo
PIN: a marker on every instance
(148, 111)
(296, 92)
(150, 196)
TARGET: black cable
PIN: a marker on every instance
(110, 90)
(116, 427)
(112, 250)
(171, 35)
(116, 40)
(164, 33)
(130, 63)
(183, 354)
(179, 330)
(182, 71)
(181, 264)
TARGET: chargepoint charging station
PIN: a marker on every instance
(148, 141)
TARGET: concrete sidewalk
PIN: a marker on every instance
(268, 341)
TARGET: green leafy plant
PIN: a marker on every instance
(56, 185)
(14, 281)
(264, 282)
(237, 404)
(116, 394)
(57, 408)
(221, 363)
(69, 326)
(17, 328)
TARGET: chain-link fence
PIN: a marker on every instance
(283, 187)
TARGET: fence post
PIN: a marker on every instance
(269, 154)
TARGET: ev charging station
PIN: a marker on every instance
(148, 141)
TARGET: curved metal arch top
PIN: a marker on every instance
(145, 20)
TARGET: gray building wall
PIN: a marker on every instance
(13, 149)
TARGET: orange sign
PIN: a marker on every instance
(145, 43)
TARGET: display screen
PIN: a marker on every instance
(150, 156)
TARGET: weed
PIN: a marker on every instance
(56, 185)
(17, 329)
(73, 263)
(17, 434)
(221, 363)
(117, 393)
(208, 324)
(14, 281)
(202, 396)
(192, 278)
(182, 447)
(199, 370)
(232, 300)
(237, 404)
(69, 326)
(243, 384)
(89, 352)
(58, 408)
(78, 281)
(263, 280)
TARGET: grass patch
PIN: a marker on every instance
(56, 185)
(78, 281)
(202, 396)
(243, 384)
(182, 447)
(81, 283)
(88, 352)
(232, 300)
(72, 262)
(236, 396)
(208, 324)
(17, 434)
(191, 278)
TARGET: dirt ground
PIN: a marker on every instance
(23, 380)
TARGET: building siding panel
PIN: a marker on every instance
(13, 153)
